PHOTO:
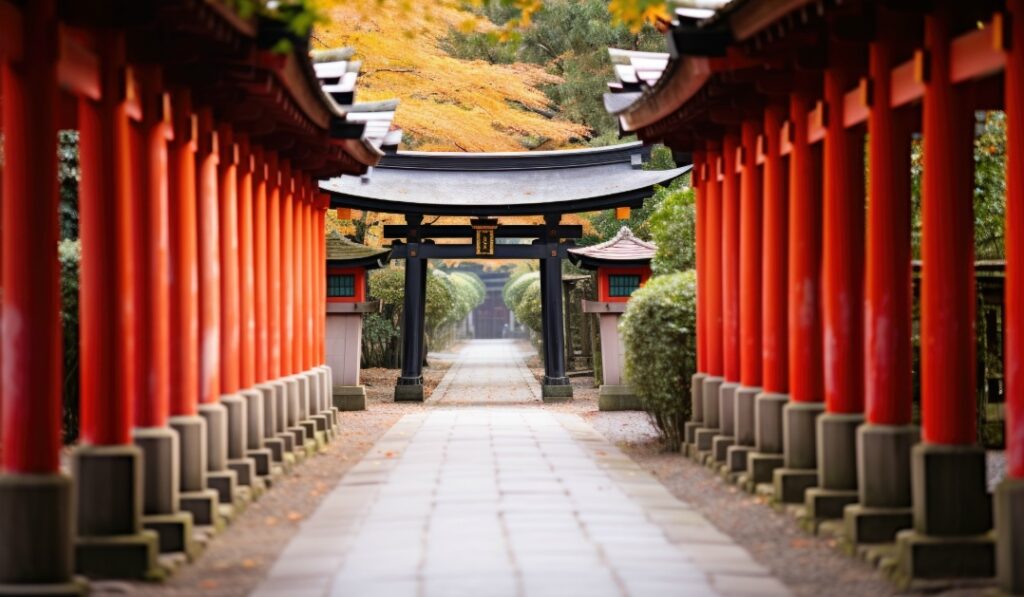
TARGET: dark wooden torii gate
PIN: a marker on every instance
(483, 187)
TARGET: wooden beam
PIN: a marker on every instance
(400, 250)
(503, 231)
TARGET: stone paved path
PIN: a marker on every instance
(494, 501)
(488, 372)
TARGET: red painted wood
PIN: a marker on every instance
(260, 268)
(713, 263)
(805, 347)
(359, 275)
(887, 314)
(274, 291)
(312, 288)
(298, 262)
(184, 290)
(843, 252)
(322, 309)
(287, 286)
(947, 287)
(751, 251)
(700, 250)
(1014, 298)
(774, 344)
(31, 340)
(604, 283)
(730, 259)
(107, 283)
(230, 300)
(152, 391)
(246, 267)
(208, 214)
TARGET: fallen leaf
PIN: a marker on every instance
(294, 516)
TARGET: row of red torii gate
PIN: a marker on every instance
(202, 294)
(804, 382)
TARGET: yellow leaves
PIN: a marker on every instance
(637, 13)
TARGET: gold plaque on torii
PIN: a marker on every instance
(484, 235)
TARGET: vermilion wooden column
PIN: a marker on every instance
(751, 251)
(184, 304)
(1009, 499)
(107, 300)
(713, 323)
(298, 272)
(950, 497)
(274, 292)
(230, 302)
(260, 267)
(287, 272)
(152, 247)
(842, 298)
(700, 250)
(247, 267)
(884, 443)
(31, 341)
(805, 341)
(310, 296)
(774, 345)
(207, 199)
(730, 259)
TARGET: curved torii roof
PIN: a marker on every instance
(622, 249)
(497, 184)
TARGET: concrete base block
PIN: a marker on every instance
(727, 407)
(409, 393)
(254, 426)
(238, 424)
(108, 490)
(883, 465)
(761, 467)
(690, 432)
(244, 469)
(703, 438)
(266, 390)
(618, 397)
(348, 398)
(926, 557)
(697, 397)
(950, 490)
(768, 422)
(300, 436)
(799, 434)
(216, 417)
(288, 440)
(119, 556)
(837, 452)
(161, 476)
(224, 483)
(791, 484)
(744, 402)
(555, 392)
(720, 445)
(174, 532)
(1009, 511)
(202, 505)
(311, 431)
(827, 504)
(262, 459)
(865, 525)
(192, 458)
(280, 392)
(321, 422)
(710, 399)
(36, 534)
(275, 446)
(736, 458)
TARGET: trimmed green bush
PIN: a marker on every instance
(672, 227)
(529, 309)
(658, 330)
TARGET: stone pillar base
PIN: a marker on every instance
(160, 470)
(827, 504)
(409, 390)
(791, 484)
(552, 392)
(36, 530)
(275, 446)
(744, 411)
(111, 542)
(216, 416)
(202, 505)
(768, 422)
(192, 458)
(174, 532)
(720, 445)
(864, 525)
(288, 440)
(238, 424)
(1009, 506)
(690, 432)
(697, 398)
(262, 459)
(245, 471)
(254, 415)
(225, 483)
(837, 466)
(618, 397)
(703, 440)
(348, 398)
(883, 464)
(952, 516)
(736, 458)
(761, 466)
(799, 434)
(710, 401)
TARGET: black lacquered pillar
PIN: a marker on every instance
(556, 387)
(410, 383)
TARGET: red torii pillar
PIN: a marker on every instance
(308, 389)
(251, 395)
(774, 328)
(312, 298)
(805, 354)
(323, 202)
(152, 433)
(713, 320)
(275, 304)
(38, 540)
(730, 298)
(842, 300)
(261, 306)
(885, 441)
(952, 508)
(751, 251)
(697, 181)
(107, 466)
(1009, 499)
(184, 376)
(296, 413)
(218, 476)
